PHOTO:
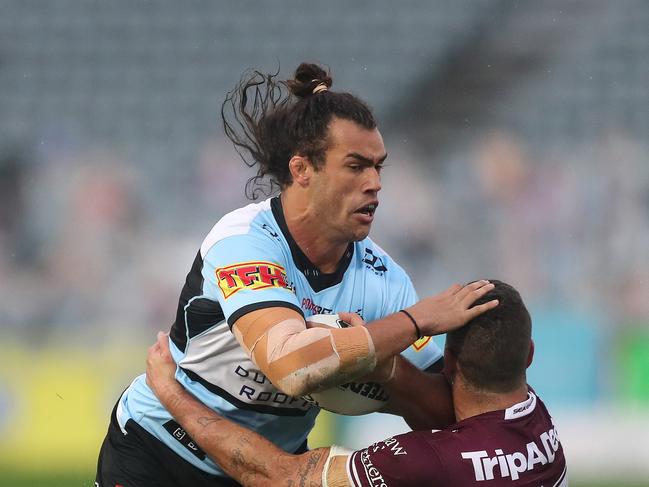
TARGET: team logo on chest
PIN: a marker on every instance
(374, 262)
(250, 275)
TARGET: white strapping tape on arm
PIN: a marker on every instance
(334, 451)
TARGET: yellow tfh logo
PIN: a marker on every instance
(250, 275)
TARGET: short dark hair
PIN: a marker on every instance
(270, 121)
(492, 349)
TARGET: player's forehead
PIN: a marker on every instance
(348, 137)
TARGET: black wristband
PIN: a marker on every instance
(419, 335)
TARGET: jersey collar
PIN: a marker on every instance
(317, 280)
(522, 408)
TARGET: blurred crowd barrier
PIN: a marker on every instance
(517, 148)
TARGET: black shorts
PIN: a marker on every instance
(138, 459)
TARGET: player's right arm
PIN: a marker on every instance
(247, 275)
(299, 360)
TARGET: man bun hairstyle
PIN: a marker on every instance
(308, 79)
(270, 120)
(492, 349)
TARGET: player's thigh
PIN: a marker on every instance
(138, 459)
(125, 462)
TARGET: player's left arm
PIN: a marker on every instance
(418, 391)
(244, 455)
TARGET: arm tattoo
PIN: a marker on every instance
(241, 457)
(248, 469)
(206, 421)
(305, 471)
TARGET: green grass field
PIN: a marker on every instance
(86, 479)
(26, 479)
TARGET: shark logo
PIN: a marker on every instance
(374, 262)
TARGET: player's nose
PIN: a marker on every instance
(373, 182)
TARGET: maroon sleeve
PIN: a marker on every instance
(401, 461)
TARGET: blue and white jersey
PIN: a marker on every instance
(247, 262)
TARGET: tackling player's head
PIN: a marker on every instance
(305, 137)
(494, 349)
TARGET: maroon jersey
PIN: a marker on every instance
(517, 446)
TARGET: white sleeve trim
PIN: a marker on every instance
(236, 222)
(334, 451)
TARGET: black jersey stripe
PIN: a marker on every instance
(193, 287)
(194, 314)
(258, 408)
(201, 314)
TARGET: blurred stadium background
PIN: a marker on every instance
(517, 133)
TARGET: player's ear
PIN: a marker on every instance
(301, 169)
(530, 355)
